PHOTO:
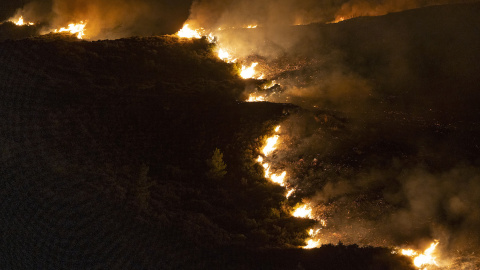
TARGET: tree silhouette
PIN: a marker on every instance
(217, 168)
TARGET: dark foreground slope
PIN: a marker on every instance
(109, 161)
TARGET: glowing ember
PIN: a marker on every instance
(277, 128)
(20, 22)
(270, 147)
(252, 26)
(279, 179)
(303, 211)
(289, 193)
(248, 73)
(254, 98)
(187, 32)
(424, 259)
(78, 28)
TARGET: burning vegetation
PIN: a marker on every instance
(367, 158)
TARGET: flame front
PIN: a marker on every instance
(303, 211)
(279, 179)
(270, 146)
(187, 32)
(312, 244)
(254, 98)
(248, 72)
(20, 21)
(424, 259)
(74, 28)
(225, 56)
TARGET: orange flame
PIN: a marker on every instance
(225, 56)
(270, 146)
(424, 259)
(187, 32)
(74, 28)
(304, 211)
(279, 179)
(289, 193)
(311, 243)
(248, 72)
(255, 98)
(21, 22)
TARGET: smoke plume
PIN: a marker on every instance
(387, 153)
(108, 18)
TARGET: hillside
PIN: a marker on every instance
(105, 150)
(139, 153)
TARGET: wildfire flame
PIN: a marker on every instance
(339, 19)
(21, 22)
(279, 179)
(311, 243)
(270, 146)
(424, 259)
(187, 32)
(268, 149)
(270, 84)
(248, 72)
(225, 56)
(74, 28)
(254, 98)
(303, 211)
(266, 167)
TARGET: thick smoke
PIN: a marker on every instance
(109, 18)
(212, 14)
(387, 153)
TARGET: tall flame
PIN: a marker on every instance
(311, 243)
(21, 22)
(74, 28)
(424, 259)
(248, 72)
(187, 32)
(303, 211)
(270, 146)
(279, 179)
